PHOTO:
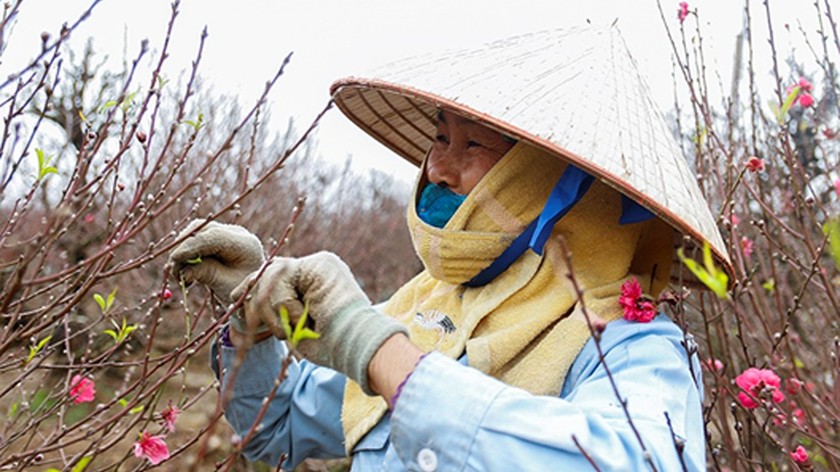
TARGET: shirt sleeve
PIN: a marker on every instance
(452, 417)
(302, 420)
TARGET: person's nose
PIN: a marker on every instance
(442, 169)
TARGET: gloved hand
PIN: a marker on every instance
(228, 253)
(350, 329)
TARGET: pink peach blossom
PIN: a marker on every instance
(636, 306)
(800, 455)
(152, 448)
(746, 247)
(805, 99)
(754, 383)
(682, 12)
(82, 389)
(754, 164)
(169, 416)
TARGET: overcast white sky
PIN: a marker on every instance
(332, 38)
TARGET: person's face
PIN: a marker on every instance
(463, 152)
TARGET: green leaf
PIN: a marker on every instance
(832, 230)
(52, 469)
(105, 304)
(780, 117)
(112, 333)
(284, 321)
(13, 409)
(44, 167)
(136, 409)
(107, 105)
(301, 331)
(769, 285)
(34, 350)
(715, 279)
(82, 464)
(123, 402)
(798, 363)
(99, 301)
(198, 123)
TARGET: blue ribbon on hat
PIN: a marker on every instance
(571, 187)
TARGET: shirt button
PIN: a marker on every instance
(427, 460)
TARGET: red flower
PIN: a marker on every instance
(804, 85)
(805, 99)
(800, 455)
(152, 448)
(82, 389)
(746, 246)
(169, 416)
(167, 294)
(755, 164)
(793, 386)
(637, 307)
(829, 133)
(682, 12)
(756, 384)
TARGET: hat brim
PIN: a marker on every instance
(404, 120)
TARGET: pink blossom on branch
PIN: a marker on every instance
(837, 187)
(169, 416)
(755, 164)
(636, 306)
(82, 389)
(152, 448)
(805, 85)
(746, 247)
(757, 384)
(805, 99)
(800, 455)
(682, 12)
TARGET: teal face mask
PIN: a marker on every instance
(437, 205)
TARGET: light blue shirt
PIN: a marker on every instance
(452, 417)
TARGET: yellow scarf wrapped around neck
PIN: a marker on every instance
(525, 327)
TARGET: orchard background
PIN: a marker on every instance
(101, 169)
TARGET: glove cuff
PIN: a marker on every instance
(352, 338)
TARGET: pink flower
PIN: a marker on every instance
(755, 164)
(714, 365)
(837, 187)
(167, 294)
(89, 218)
(756, 383)
(800, 455)
(746, 246)
(169, 416)
(82, 389)
(804, 85)
(793, 386)
(152, 448)
(734, 220)
(805, 99)
(829, 133)
(637, 307)
(682, 12)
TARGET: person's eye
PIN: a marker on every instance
(442, 139)
(473, 144)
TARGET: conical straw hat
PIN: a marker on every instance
(575, 92)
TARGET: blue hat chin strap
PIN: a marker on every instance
(571, 187)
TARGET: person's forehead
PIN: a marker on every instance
(448, 118)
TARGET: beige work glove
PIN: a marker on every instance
(350, 329)
(219, 256)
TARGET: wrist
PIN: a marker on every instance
(391, 365)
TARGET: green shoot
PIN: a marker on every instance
(712, 277)
(121, 332)
(44, 167)
(300, 331)
(34, 350)
(105, 304)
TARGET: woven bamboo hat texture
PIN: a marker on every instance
(574, 92)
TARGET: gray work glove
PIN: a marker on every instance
(350, 329)
(228, 253)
